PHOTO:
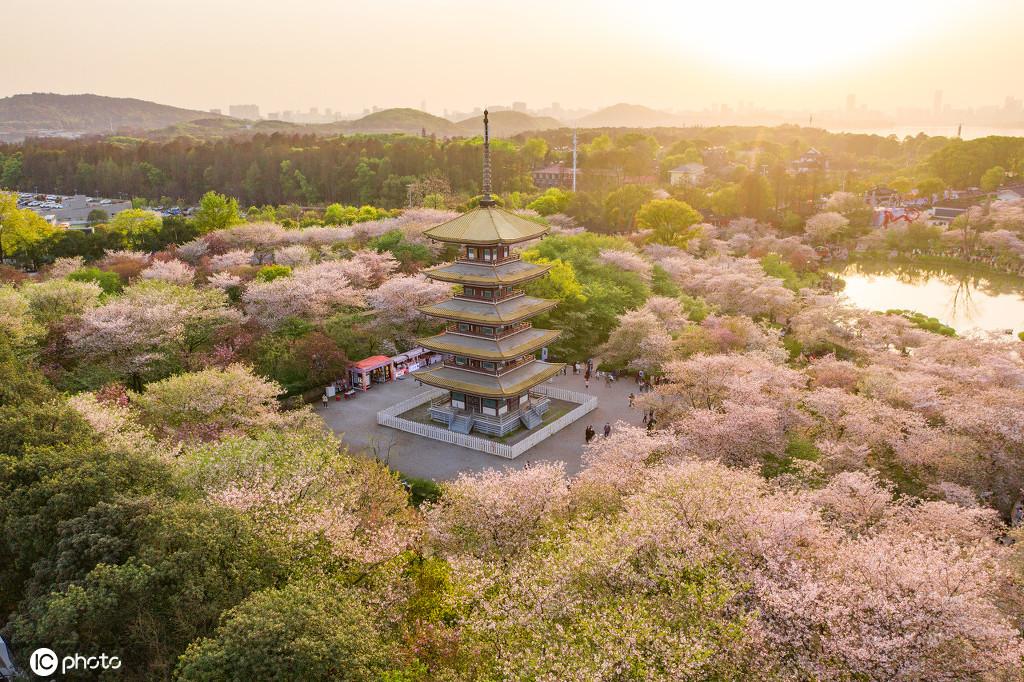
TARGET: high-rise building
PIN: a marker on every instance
(519, 106)
(249, 111)
(489, 367)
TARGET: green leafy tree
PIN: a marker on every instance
(23, 233)
(621, 206)
(553, 200)
(216, 212)
(108, 281)
(137, 226)
(268, 273)
(308, 630)
(993, 178)
(670, 219)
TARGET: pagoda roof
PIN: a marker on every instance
(508, 385)
(508, 348)
(511, 272)
(504, 312)
(487, 225)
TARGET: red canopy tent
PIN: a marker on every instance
(375, 369)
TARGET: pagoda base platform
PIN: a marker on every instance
(426, 415)
(466, 421)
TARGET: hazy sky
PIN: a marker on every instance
(458, 54)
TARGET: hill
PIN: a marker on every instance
(629, 116)
(48, 113)
(411, 121)
(508, 124)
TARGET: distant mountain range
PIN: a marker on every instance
(41, 113)
(74, 115)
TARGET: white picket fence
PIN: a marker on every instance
(389, 417)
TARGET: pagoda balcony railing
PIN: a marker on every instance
(453, 328)
(509, 366)
(511, 293)
(497, 261)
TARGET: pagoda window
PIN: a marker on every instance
(488, 293)
(488, 254)
(458, 400)
(470, 253)
(490, 406)
(460, 360)
(463, 327)
(487, 331)
(468, 291)
(488, 366)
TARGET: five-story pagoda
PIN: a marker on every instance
(488, 343)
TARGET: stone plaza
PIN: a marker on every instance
(355, 421)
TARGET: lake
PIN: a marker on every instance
(960, 296)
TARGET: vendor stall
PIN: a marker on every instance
(411, 360)
(377, 369)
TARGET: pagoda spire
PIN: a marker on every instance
(487, 199)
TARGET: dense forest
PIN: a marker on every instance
(379, 169)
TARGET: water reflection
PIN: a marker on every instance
(959, 296)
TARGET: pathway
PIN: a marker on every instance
(355, 421)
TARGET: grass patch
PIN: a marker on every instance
(922, 321)
(798, 448)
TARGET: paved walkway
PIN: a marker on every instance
(355, 421)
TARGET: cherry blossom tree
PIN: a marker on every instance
(823, 227)
(301, 484)
(498, 512)
(312, 293)
(399, 298)
(231, 259)
(212, 403)
(626, 260)
(173, 271)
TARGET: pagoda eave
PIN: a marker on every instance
(445, 273)
(509, 385)
(494, 316)
(487, 225)
(490, 349)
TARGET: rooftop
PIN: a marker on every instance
(511, 272)
(507, 348)
(508, 385)
(487, 225)
(504, 312)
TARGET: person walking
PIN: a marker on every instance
(632, 397)
(645, 417)
(586, 382)
(590, 433)
(323, 399)
(650, 425)
(607, 429)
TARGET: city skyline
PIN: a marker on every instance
(793, 55)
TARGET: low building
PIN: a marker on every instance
(810, 161)
(687, 174)
(944, 215)
(882, 196)
(555, 175)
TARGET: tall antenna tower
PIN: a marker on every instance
(573, 159)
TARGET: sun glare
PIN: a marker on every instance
(801, 36)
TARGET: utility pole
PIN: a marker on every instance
(574, 159)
